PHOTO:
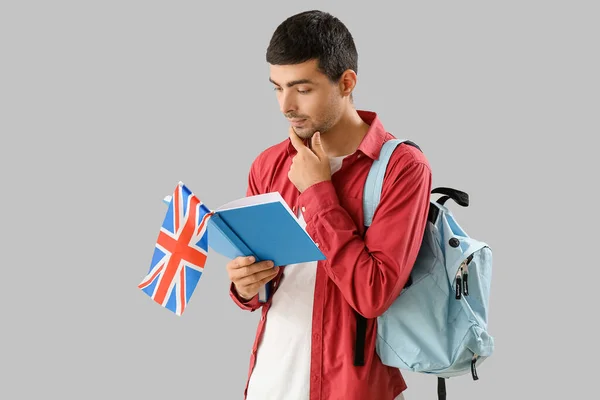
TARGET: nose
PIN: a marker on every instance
(287, 103)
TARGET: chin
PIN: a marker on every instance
(304, 133)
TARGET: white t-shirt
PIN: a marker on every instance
(282, 369)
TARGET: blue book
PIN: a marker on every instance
(262, 226)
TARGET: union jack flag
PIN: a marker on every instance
(180, 252)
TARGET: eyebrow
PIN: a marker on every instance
(293, 83)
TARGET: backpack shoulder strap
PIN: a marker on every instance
(374, 182)
(371, 196)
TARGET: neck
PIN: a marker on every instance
(345, 136)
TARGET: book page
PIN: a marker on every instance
(273, 197)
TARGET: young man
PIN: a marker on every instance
(305, 342)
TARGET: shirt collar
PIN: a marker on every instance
(371, 143)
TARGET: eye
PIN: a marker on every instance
(304, 91)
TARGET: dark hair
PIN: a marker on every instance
(314, 35)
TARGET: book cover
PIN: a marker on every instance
(262, 226)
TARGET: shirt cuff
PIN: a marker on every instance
(251, 304)
(316, 199)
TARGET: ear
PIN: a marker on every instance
(347, 82)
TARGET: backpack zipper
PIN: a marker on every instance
(462, 278)
(473, 369)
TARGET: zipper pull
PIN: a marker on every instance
(458, 283)
(473, 369)
(465, 279)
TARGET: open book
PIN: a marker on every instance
(262, 226)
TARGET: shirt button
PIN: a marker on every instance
(303, 209)
(317, 244)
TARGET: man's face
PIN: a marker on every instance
(306, 97)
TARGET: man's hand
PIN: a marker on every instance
(308, 166)
(248, 276)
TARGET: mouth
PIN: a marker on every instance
(297, 122)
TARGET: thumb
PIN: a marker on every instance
(317, 146)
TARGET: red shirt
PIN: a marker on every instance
(362, 272)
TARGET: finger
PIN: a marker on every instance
(296, 141)
(240, 262)
(251, 290)
(257, 278)
(251, 269)
(263, 282)
(317, 146)
(254, 287)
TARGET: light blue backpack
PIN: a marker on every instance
(438, 324)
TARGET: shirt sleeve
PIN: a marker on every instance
(251, 305)
(371, 271)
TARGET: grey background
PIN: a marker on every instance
(104, 106)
